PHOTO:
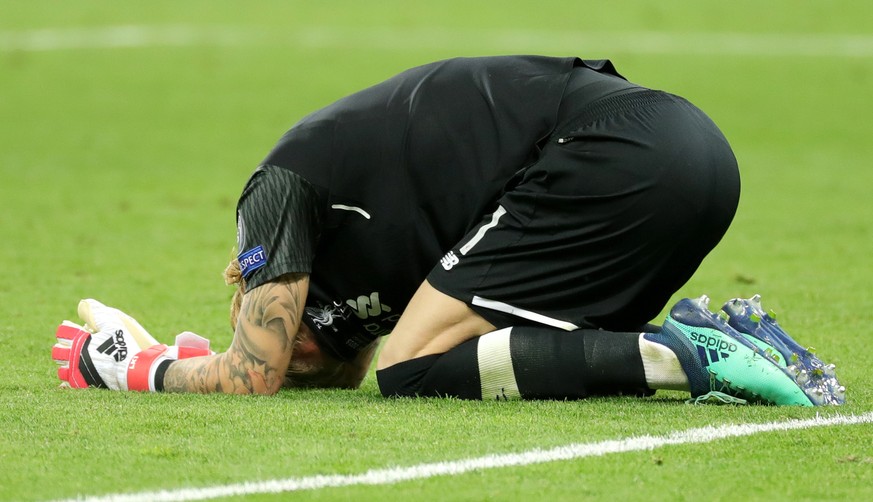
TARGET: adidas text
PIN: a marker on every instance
(114, 346)
(713, 343)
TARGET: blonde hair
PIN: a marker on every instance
(233, 275)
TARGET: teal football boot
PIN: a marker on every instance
(817, 379)
(724, 364)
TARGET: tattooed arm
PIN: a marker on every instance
(260, 354)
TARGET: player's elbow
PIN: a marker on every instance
(263, 383)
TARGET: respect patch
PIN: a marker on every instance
(251, 260)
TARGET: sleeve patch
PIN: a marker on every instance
(252, 260)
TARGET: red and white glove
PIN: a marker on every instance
(114, 351)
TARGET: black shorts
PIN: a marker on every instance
(623, 203)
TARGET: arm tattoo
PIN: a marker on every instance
(261, 349)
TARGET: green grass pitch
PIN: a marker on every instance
(128, 129)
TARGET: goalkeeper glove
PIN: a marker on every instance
(114, 351)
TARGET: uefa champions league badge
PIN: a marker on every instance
(240, 230)
(251, 260)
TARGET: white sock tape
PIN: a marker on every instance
(496, 373)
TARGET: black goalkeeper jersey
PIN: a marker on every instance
(367, 194)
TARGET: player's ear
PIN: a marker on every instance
(233, 275)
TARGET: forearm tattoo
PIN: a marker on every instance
(261, 349)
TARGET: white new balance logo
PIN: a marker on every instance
(449, 260)
(365, 307)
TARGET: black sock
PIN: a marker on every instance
(529, 362)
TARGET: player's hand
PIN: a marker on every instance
(112, 350)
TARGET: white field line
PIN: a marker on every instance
(445, 39)
(392, 475)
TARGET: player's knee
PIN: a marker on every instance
(405, 379)
(390, 355)
(432, 323)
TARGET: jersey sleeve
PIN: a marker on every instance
(278, 222)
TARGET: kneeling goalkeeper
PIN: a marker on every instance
(513, 222)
